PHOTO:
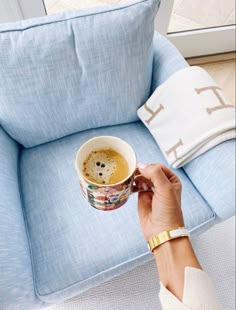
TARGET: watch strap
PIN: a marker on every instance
(165, 236)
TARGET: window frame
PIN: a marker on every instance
(191, 43)
(194, 43)
(14, 10)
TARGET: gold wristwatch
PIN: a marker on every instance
(167, 235)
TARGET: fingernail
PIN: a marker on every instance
(145, 187)
(142, 166)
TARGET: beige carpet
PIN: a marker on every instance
(138, 289)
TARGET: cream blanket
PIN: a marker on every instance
(188, 115)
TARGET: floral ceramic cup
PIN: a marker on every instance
(109, 196)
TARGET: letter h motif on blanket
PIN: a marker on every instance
(222, 105)
(187, 115)
(153, 115)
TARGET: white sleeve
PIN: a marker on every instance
(198, 293)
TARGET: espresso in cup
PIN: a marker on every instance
(105, 166)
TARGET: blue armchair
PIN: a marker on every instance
(53, 246)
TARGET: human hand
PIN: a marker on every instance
(159, 210)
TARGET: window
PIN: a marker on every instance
(196, 27)
(200, 27)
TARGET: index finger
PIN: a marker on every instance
(159, 174)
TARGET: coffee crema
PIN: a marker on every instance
(105, 166)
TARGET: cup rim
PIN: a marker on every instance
(104, 185)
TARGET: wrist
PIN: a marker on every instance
(172, 248)
(160, 228)
(176, 252)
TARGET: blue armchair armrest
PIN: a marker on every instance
(212, 173)
(16, 282)
(166, 60)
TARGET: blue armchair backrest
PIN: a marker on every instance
(74, 71)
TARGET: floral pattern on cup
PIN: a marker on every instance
(106, 197)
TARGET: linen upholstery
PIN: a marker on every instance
(16, 282)
(166, 60)
(74, 246)
(57, 219)
(213, 174)
(56, 71)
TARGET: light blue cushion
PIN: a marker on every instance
(16, 281)
(74, 71)
(74, 246)
(213, 173)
